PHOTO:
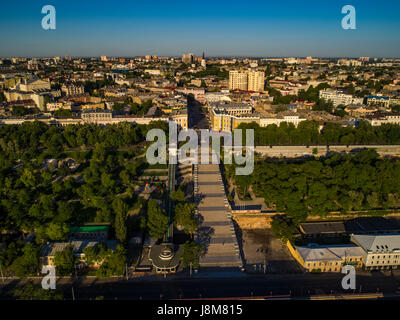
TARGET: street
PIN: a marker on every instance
(237, 285)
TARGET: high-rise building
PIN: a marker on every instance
(187, 57)
(250, 80)
(103, 58)
(237, 80)
(255, 80)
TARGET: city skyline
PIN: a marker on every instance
(255, 29)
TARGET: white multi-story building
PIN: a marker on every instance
(381, 119)
(339, 97)
(153, 72)
(349, 63)
(212, 97)
(295, 120)
(54, 106)
(381, 251)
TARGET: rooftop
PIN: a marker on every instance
(50, 248)
(89, 229)
(378, 243)
(358, 225)
(166, 255)
(329, 253)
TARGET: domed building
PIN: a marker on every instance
(165, 257)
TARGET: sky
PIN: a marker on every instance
(219, 28)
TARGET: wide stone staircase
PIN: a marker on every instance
(216, 231)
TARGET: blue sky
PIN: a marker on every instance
(220, 28)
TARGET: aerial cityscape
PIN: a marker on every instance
(100, 200)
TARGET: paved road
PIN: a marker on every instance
(238, 286)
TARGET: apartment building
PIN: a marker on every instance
(249, 80)
(381, 252)
(350, 62)
(188, 58)
(339, 97)
(237, 80)
(255, 80)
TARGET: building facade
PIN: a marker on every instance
(382, 252)
(338, 97)
(249, 80)
(329, 258)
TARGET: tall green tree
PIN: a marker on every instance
(27, 264)
(157, 221)
(120, 209)
(192, 252)
(65, 261)
(184, 215)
